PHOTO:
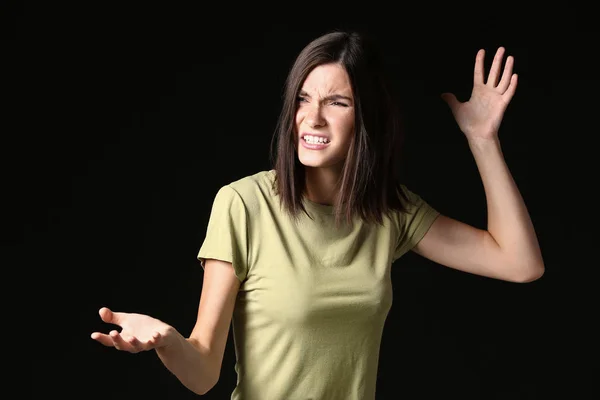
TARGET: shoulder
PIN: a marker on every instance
(251, 185)
(414, 205)
(253, 189)
(410, 199)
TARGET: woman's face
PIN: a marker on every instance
(325, 117)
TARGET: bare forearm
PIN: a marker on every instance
(509, 222)
(190, 363)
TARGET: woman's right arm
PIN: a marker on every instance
(199, 370)
(196, 361)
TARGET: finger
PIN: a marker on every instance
(451, 100)
(495, 68)
(512, 87)
(478, 73)
(110, 317)
(102, 338)
(118, 342)
(506, 74)
(154, 341)
(134, 344)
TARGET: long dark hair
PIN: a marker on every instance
(369, 186)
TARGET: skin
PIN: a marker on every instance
(326, 108)
(508, 249)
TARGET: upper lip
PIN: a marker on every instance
(314, 134)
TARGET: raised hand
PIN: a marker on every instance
(139, 332)
(480, 117)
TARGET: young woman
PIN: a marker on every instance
(298, 257)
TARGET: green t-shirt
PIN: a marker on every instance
(310, 312)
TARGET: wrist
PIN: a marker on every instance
(170, 337)
(482, 145)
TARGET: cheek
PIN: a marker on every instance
(299, 117)
(347, 132)
(298, 121)
(346, 126)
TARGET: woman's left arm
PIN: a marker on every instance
(509, 248)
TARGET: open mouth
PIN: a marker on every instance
(315, 140)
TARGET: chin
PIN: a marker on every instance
(314, 161)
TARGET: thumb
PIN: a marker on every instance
(109, 316)
(450, 99)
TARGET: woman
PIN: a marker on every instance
(298, 258)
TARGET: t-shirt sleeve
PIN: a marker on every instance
(227, 232)
(413, 224)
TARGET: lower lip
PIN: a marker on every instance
(312, 146)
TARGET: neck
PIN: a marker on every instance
(322, 184)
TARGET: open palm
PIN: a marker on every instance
(139, 332)
(480, 117)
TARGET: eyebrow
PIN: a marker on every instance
(330, 97)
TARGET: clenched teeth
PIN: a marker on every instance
(315, 139)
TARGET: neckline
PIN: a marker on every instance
(309, 204)
(317, 207)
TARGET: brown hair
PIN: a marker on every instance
(369, 186)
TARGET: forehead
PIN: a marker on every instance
(327, 79)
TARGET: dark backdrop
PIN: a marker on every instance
(123, 121)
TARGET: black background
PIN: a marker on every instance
(120, 123)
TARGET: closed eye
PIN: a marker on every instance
(332, 98)
(301, 99)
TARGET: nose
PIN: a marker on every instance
(314, 117)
